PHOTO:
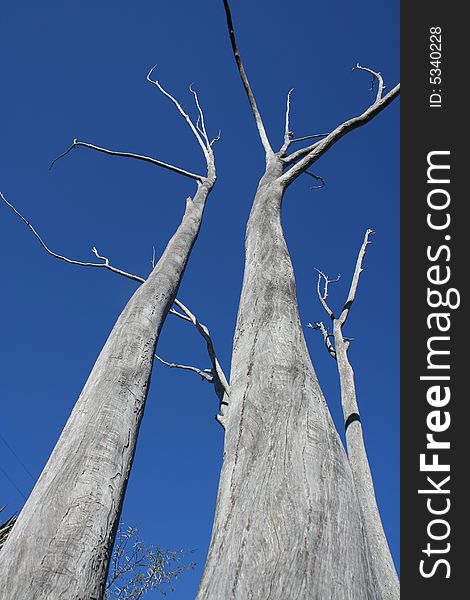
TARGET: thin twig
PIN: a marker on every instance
(308, 137)
(326, 337)
(105, 264)
(206, 374)
(216, 139)
(206, 150)
(287, 132)
(318, 178)
(201, 115)
(71, 147)
(323, 296)
(375, 75)
(153, 161)
(153, 258)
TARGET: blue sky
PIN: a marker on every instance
(77, 70)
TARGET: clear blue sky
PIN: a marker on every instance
(77, 70)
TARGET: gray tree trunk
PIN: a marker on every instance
(382, 561)
(288, 522)
(60, 546)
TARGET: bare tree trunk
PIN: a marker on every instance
(60, 546)
(382, 561)
(288, 523)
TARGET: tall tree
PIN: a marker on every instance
(338, 349)
(62, 541)
(288, 522)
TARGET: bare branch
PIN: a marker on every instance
(287, 132)
(198, 127)
(308, 137)
(204, 331)
(153, 261)
(298, 154)
(323, 296)
(201, 116)
(246, 84)
(318, 178)
(326, 337)
(307, 156)
(71, 147)
(206, 149)
(221, 385)
(375, 75)
(205, 374)
(178, 314)
(355, 280)
(105, 264)
(216, 139)
(153, 161)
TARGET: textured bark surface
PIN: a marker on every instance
(288, 523)
(61, 544)
(382, 562)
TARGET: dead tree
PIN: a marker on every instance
(288, 522)
(61, 545)
(338, 349)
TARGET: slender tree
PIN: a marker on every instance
(288, 522)
(61, 544)
(338, 349)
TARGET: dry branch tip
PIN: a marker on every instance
(318, 178)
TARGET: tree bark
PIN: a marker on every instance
(61, 545)
(288, 522)
(387, 579)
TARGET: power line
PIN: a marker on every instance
(17, 458)
(12, 482)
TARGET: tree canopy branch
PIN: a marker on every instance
(206, 148)
(201, 116)
(307, 156)
(246, 84)
(76, 143)
(105, 264)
